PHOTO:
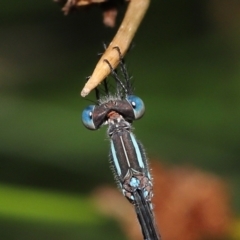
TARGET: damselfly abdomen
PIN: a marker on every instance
(128, 158)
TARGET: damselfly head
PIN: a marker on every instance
(121, 100)
(131, 108)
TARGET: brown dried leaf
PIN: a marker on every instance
(109, 17)
(109, 10)
(189, 205)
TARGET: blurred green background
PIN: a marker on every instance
(186, 68)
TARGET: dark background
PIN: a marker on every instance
(185, 62)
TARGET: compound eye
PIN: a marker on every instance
(87, 117)
(137, 105)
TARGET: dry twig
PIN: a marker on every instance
(132, 19)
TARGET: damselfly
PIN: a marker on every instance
(128, 157)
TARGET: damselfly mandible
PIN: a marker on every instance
(128, 157)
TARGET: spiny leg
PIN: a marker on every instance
(124, 70)
(116, 78)
(106, 86)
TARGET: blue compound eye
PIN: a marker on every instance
(87, 117)
(137, 105)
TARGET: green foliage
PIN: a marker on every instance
(28, 204)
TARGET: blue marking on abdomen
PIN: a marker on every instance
(138, 152)
(115, 160)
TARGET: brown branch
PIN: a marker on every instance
(132, 19)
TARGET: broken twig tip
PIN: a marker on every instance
(85, 92)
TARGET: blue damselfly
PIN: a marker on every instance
(128, 157)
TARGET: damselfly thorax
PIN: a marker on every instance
(129, 158)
